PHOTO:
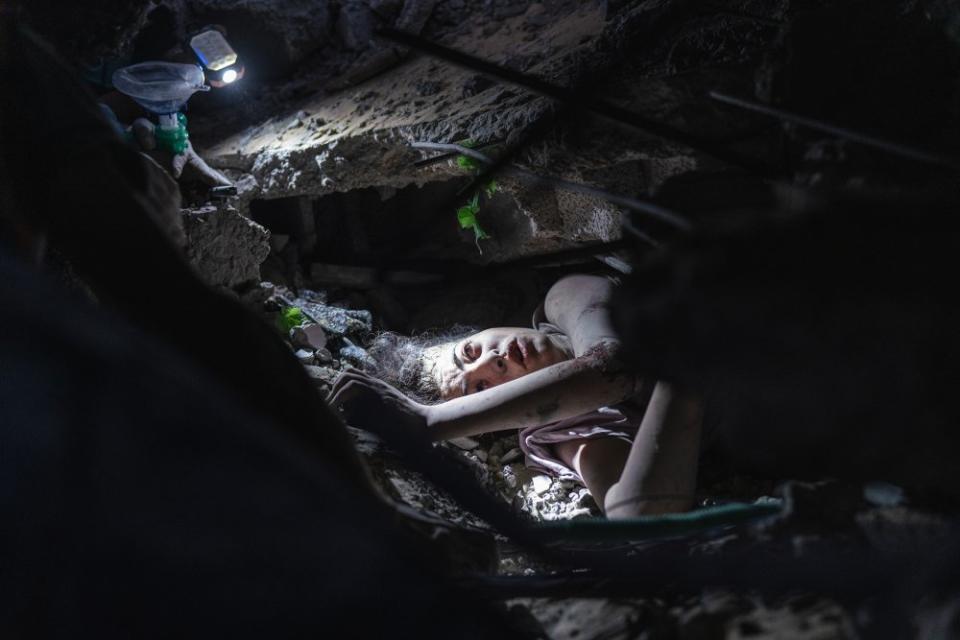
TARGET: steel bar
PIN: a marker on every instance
(654, 210)
(895, 148)
(581, 101)
(428, 272)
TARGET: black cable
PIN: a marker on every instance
(894, 148)
(661, 213)
(581, 101)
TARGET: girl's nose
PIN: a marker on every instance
(492, 361)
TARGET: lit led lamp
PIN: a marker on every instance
(216, 56)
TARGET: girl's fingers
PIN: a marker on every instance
(344, 378)
(348, 385)
(347, 392)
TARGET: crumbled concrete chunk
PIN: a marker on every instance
(309, 336)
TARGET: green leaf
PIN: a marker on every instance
(467, 163)
(491, 188)
(467, 215)
(291, 317)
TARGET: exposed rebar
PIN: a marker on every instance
(654, 210)
(581, 101)
(895, 148)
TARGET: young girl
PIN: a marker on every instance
(579, 414)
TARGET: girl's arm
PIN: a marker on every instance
(577, 305)
(563, 390)
(660, 475)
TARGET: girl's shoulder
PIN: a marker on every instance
(577, 307)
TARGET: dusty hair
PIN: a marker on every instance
(409, 362)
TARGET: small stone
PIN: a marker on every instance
(309, 336)
(482, 455)
(323, 356)
(883, 494)
(304, 356)
(321, 376)
(541, 484)
(584, 500)
(512, 455)
(467, 444)
(357, 357)
(337, 322)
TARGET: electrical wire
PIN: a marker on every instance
(661, 213)
(894, 148)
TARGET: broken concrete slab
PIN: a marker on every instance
(357, 138)
(225, 248)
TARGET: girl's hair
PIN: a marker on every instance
(405, 362)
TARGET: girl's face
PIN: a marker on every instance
(495, 356)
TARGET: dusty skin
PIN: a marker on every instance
(509, 378)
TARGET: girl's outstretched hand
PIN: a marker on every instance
(373, 405)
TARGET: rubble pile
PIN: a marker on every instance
(345, 223)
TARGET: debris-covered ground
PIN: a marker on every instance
(327, 337)
(342, 226)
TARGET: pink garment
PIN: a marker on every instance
(538, 442)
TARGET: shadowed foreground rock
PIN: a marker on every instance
(826, 343)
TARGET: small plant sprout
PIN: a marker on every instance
(467, 215)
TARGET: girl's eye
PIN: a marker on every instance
(470, 350)
(481, 386)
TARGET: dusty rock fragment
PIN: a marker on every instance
(321, 376)
(309, 336)
(337, 322)
(901, 529)
(511, 456)
(509, 478)
(467, 444)
(541, 484)
(225, 248)
(357, 357)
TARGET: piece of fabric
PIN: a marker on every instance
(539, 442)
